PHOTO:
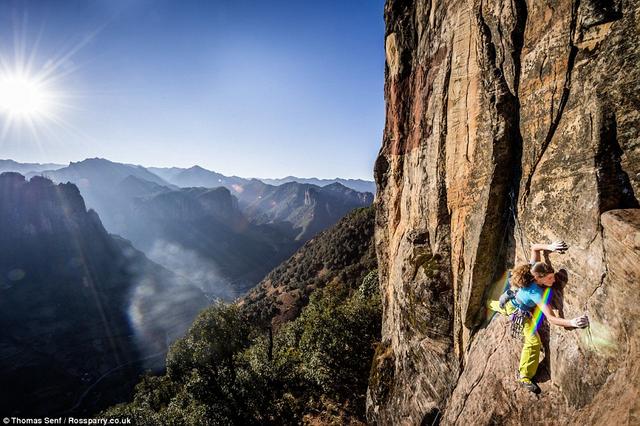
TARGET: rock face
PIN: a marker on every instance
(508, 123)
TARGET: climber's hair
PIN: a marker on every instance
(523, 274)
(541, 269)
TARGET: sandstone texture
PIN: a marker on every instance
(508, 123)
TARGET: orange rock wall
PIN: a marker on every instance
(508, 123)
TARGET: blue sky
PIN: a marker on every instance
(250, 88)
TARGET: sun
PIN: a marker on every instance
(23, 97)
(27, 101)
(35, 100)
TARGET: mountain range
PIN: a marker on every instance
(360, 185)
(24, 168)
(224, 239)
(197, 176)
(83, 313)
(201, 234)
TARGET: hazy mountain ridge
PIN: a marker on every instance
(201, 234)
(99, 169)
(25, 168)
(207, 235)
(100, 182)
(308, 208)
(359, 185)
(199, 176)
(191, 176)
(196, 176)
(79, 309)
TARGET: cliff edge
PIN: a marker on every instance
(508, 123)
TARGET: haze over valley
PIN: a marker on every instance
(139, 256)
(220, 233)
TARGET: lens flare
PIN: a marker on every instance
(598, 338)
(537, 313)
(495, 290)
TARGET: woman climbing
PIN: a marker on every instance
(529, 283)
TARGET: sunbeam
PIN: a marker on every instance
(33, 99)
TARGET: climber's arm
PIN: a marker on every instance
(578, 322)
(538, 249)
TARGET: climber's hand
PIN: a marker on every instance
(559, 246)
(580, 322)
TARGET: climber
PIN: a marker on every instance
(530, 282)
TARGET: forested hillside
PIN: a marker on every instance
(233, 367)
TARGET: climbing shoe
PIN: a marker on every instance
(529, 385)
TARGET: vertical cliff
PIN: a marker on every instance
(508, 123)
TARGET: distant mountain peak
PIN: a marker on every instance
(337, 185)
(92, 160)
(13, 175)
(26, 168)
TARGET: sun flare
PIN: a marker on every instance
(34, 103)
(22, 96)
(31, 100)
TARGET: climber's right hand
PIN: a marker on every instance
(580, 322)
(559, 246)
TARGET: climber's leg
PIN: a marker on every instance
(530, 356)
(508, 309)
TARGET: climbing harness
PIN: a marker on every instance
(518, 320)
(520, 316)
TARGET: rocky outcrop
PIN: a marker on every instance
(508, 123)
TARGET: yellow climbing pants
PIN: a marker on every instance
(530, 355)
